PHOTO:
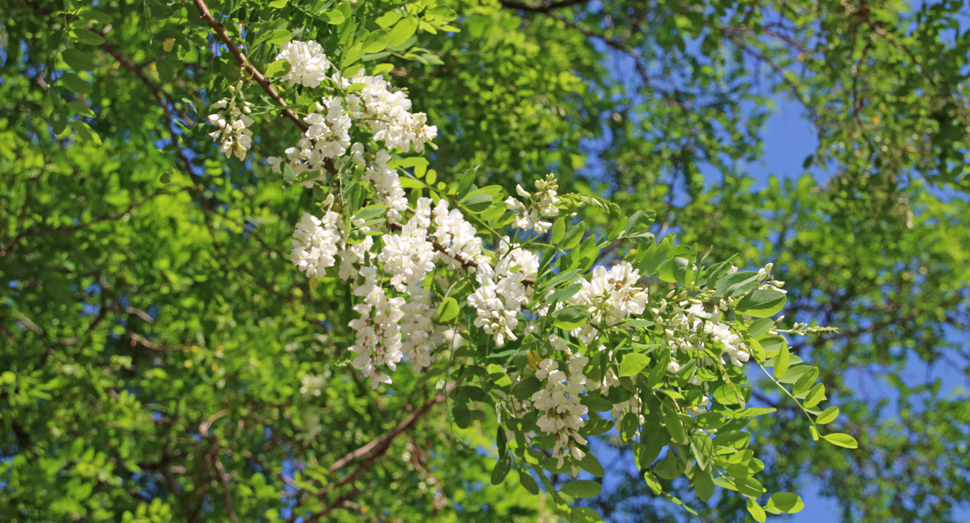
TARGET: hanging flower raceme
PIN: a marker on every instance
(233, 121)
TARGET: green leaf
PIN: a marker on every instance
(827, 416)
(278, 68)
(376, 41)
(462, 416)
(805, 382)
(371, 211)
(736, 284)
(584, 515)
(726, 396)
(477, 201)
(815, 396)
(574, 236)
(781, 363)
(762, 303)
(562, 277)
(75, 84)
(674, 270)
(526, 388)
(501, 470)
(85, 132)
(58, 120)
(841, 440)
(674, 427)
(756, 511)
(773, 344)
(442, 12)
(592, 465)
(279, 37)
(703, 484)
(633, 363)
(786, 502)
(80, 108)
(653, 482)
(702, 447)
(595, 427)
(333, 16)
(78, 59)
(86, 36)
(558, 231)
(756, 329)
(380, 69)
(528, 482)
(402, 31)
(278, 4)
(466, 183)
(749, 413)
(654, 256)
(570, 318)
(581, 488)
(749, 487)
(448, 310)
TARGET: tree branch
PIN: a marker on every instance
(247, 66)
(380, 444)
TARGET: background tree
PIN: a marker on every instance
(156, 339)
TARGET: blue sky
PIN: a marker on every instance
(788, 138)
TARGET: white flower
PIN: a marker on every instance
(502, 292)
(388, 115)
(378, 339)
(386, 184)
(458, 237)
(542, 204)
(233, 124)
(408, 255)
(610, 296)
(308, 64)
(560, 399)
(315, 243)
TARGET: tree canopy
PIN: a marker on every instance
(162, 359)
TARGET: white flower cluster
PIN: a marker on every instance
(408, 255)
(502, 291)
(384, 113)
(631, 407)
(543, 204)
(233, 122)
(690, 328)
(560, 399)
(389, 114)
(386, 184)
(378, 342)
(315, 243)
(458, 237)
(421, 335)
(313, 384)
(308, 64)
(391, 327)
(610, 297)
(768, 281)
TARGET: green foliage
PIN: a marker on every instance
(162, 361)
